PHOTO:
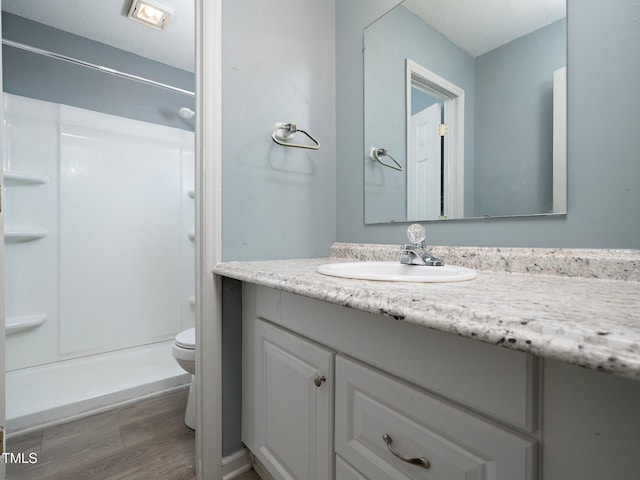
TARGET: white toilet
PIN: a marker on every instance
(184, 351)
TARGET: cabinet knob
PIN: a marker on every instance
(420, 462)
(317, 380)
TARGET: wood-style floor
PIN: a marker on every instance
(141, 441)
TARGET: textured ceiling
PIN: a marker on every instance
(106, 21)
(479, 26)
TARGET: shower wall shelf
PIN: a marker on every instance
(20, 236)
(11, 179)
(21, 324)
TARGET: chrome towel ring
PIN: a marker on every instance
(282, 133)
(375, 153)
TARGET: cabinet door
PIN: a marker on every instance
(389, 430)
(344, 471)
(294, 403)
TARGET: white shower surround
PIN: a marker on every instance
(116, 268)
(61, 391)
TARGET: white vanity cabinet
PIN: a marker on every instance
(293, 391)
(465, 407)
(344, 471)
(390, 430)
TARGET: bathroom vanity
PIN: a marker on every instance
(352, 379)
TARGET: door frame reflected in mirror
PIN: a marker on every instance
(452, 184)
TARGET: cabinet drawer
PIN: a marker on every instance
(456, 443)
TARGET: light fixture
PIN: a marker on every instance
(150, 13)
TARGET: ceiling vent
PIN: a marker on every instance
(150, 13)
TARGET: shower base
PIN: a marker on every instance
(48, 394)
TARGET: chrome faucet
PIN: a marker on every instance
(416, 252)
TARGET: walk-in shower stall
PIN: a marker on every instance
(99, 231)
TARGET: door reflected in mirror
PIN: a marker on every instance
(476, 127)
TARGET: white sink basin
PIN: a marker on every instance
(397, 272)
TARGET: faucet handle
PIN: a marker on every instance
(416, 234)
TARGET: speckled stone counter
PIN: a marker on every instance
(586, 313)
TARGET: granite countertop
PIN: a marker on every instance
(592, 320)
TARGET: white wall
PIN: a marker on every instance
(116, 268)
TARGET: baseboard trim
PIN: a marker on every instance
(236, 464)
(261, 471)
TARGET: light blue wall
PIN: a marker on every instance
(603, 144)
(231, 366)
(514, 123)
(352, 16)
(277, 202)
(278, 66)
(51, 80)
(399, 35)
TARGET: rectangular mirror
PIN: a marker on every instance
(465, 110)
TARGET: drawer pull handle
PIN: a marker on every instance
(317, 380)
(420, 462)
